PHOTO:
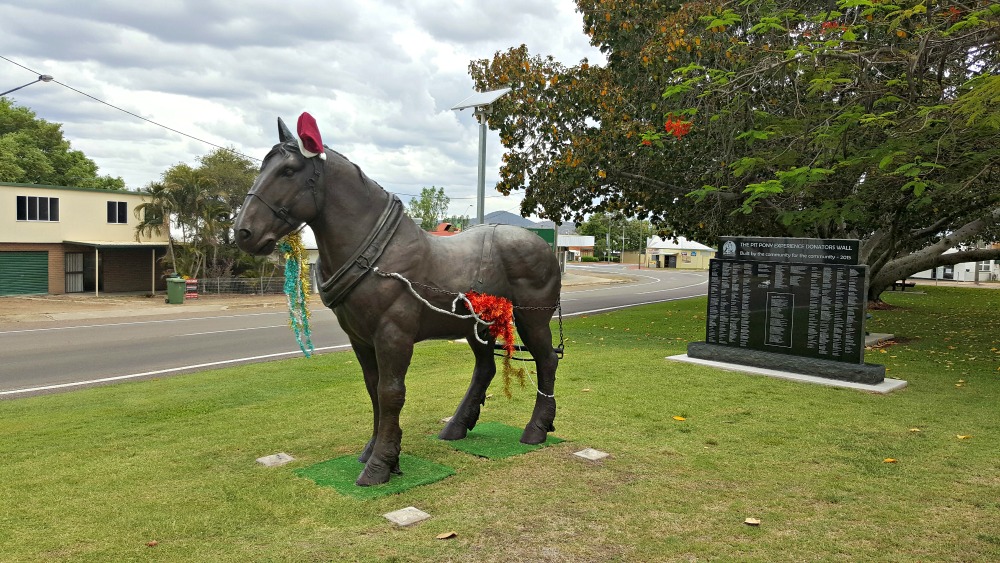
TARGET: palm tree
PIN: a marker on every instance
(155, 215)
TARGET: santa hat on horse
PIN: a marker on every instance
(310, 143)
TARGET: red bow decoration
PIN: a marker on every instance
(310, 142)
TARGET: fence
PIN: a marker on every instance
(246, 286)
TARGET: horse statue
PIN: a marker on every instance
(392, 284)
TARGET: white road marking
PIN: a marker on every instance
(672, 288)
(160, 371)
(616, 307)
(230, 330)
(138, 323)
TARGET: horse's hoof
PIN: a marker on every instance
(533, 435)
(453, 431)
(368, 478)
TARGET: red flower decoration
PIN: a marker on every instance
(676, 127)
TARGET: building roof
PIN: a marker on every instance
(681, 244)
(118, 243)
(72, 188)
(504, 218)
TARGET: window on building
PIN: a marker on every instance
(983, 266)
(118, 212)
(37, 208)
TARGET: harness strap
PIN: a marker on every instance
(486, 260)
(338, 286)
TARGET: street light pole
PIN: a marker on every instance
(481, 102)
(41, 78)
(481, 113)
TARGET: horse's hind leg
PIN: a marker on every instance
(467, 414)
(533, 328)
(369, 367)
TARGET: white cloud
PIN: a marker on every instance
(379, 76)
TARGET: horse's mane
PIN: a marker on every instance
(361, 173)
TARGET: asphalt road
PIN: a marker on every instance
(50, 358)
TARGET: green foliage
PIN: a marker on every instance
(610, 229)
(33, 151)
(430, 207)
(200, 204)
(801, 115)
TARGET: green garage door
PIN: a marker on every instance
(24, 272)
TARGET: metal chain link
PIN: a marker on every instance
(458, 295)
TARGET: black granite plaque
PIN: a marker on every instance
(794, 250)
(811, 310)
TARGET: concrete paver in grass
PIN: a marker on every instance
(591, 454)
(275, 460)
(406, 516)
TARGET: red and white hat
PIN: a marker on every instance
(310, 143)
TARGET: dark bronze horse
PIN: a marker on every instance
(391, 284)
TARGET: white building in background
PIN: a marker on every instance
(577, 246)
(987, 270)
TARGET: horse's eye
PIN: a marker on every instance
(288, 172)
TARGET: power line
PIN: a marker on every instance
(96, 99)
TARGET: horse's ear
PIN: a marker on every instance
(284, 133)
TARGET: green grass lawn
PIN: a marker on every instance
(96, 474)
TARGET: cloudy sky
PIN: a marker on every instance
(380, 76)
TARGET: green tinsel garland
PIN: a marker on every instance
(297, 290)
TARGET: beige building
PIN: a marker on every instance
(73, 240)
(683, 254)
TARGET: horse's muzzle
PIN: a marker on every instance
(244, 240)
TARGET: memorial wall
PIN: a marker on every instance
(802, 297)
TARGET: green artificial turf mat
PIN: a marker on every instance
(494, 440)
(341, 473)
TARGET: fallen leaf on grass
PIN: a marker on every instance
(963, 436)
(585, 390)
(153, 543)
(752, 521)
(889, 460)
(959, 385)
(447, 535)
(679, 418)
(914, 430)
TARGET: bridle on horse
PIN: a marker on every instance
(283, 212)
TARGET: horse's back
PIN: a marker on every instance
(499, 259)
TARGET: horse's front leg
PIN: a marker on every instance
(393, 350)
(369, 367)
(467, 413)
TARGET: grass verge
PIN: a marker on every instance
(97, 474)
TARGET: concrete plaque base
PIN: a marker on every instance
(886, 386)
(870, 374)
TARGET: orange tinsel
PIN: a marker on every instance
(500, 312)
